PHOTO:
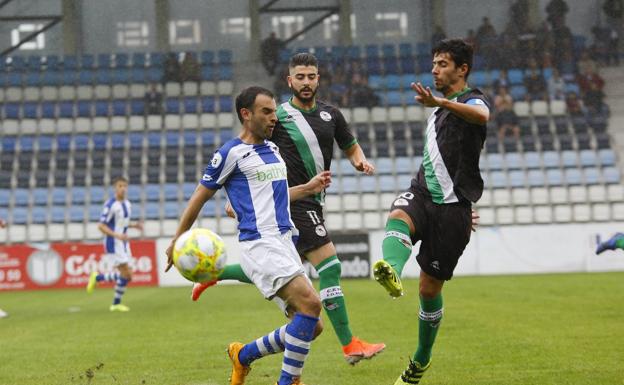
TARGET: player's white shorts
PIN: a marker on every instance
(119, 259)
(271, 262)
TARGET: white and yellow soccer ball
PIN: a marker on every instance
(199, 255)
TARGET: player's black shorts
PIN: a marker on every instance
(308, 219)
(444, 230)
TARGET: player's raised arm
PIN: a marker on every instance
(200, 196)
(472, 113)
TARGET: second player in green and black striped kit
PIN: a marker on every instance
(305, 135)
(436, 209)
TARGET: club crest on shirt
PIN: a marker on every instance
(289, 118)
(325, 116)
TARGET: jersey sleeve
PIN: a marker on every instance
(219, 169)
(344, 137)
(107, 213)
(475, 101)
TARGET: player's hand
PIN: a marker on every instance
(475, 220)
(2, 224)
(139, 225)
(320, 182)
(425, 96)
(229, 210)
(169, 253)
(122, 237)
(365, 166)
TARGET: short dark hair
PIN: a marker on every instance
(119, 179)
(303, 59)
(461, 52)
(247, 97)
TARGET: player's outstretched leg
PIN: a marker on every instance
(353, 348)
(615, 242)
(94, 278)
(396, 249)
(412, 374)
(120, 289)
(234, 272)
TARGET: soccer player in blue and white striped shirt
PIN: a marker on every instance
(254, 176)
(114, 224)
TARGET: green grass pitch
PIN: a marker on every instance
(540, 329)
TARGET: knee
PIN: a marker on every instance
(311, 304)
(127, 276)
(427, 292)
(318, 329)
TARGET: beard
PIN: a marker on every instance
(304, 99)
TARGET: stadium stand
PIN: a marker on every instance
(71, 123)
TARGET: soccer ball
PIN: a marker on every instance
(199, 255)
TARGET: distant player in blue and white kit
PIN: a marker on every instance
(114, 224)
(253, 173)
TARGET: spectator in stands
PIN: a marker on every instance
(361, 94)
(338, 90)
(153, 101)
(535, 85)
(269, 53)
(3, 314)
(506, 118)
(438, 35)
(556, 11)
(586, 64)
(171, 68)
(472, 39)
(587, 78)
(519, 16)
(593, 99)
(614, 10)
(486, 41)
(556, 86)
(574, 105)
(190, 69)
(501, 81)
(567, 66)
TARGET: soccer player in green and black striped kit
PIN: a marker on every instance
(436, 209)
(305, 134)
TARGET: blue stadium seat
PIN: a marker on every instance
(30, 110)
(63, 142)
(518, 92)
(21, 196)
(391, 65)
(117, 141)
(156, 59)
(517, 178)
(569, 158)
(607, 157)
(224, 57)
(119, 108)
(76, 214)
(68, 77)
(535, 178)
(66, 109)
(551, 159)
(172, 105)
(532, 160)
(78, 194)
(373, 66)
(57, 214)
(101, 108)
(87, 62)
(11, 110)
(207, 137)
(134, 193)
(152, 210)
(84, 108)
(52, 62)
(592, 175)
(515, 76)
(209, 209)
(58, 195)
(187, 190)
(39, 214)
(405, 50)
(137, 107)
(152, 192)
(81, 142)
(5, 195)
(554, 177)
(121, 75)
(138, 75)
(393, 82)
(172, 139)
(172, 210)
(45, 142)
(479, 78)
(190, 105)
(26, 143)
(104, 76)
(121, 60)
(32, 79)
(138, 60)
(104, 61)
(14, 79)
(136, 140)
(99, 141)
(225, 104)
(95, 211)
(498, 179)
(225, 73)
(153, 139)
(611, 175)
(376, 82)
(207, 73)
(20, 215)
(70, 62)
(372, 50)
(573, 176)
(387, 183)
(171, 192)
(207, 57)
(394, 98)
(426, 78)
(588, 158)
(86, 77)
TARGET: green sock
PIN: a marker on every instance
(429, 319)
(619, 243)
(397, 245)
(234, 272)
(333, 301)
